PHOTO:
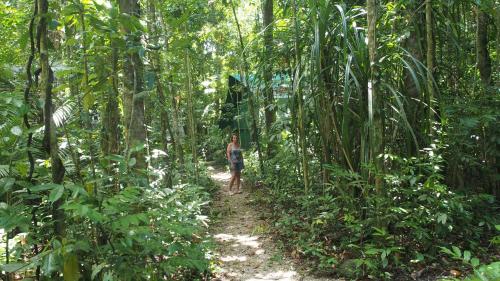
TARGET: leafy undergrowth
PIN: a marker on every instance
(405, 231)
(137, 233)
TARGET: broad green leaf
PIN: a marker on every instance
(56, 193)
(13, 267)
(88, 100)
(6, 184)
(108, 277)
(489, 272)
(137, 148)
(97, 269)
(385, 262)
(71, 9)
(52, 263)
(44, 187)
(71, 271)
(467, 256)
(456, 251)
(131, 23)
(372, 251)
(115, 157)
(447, 251)
(442, 218)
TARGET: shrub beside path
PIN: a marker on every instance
(244, 251)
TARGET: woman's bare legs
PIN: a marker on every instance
(238, 181)
(231, 182)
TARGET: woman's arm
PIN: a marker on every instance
(228, 152)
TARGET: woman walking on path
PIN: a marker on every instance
(235, 158)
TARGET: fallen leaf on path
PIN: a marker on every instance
(455, 273)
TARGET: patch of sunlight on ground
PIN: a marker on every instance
(240, 240)
(274, 276)
(233, 258)
(221, 176)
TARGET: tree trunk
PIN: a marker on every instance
(322, 100)
(497, 41)
(88, 99)
(174, 130)
(29, 142)
(483, 56)
(270, 113)
(50, 132)
(133, 100)
(375, 99)
(414, 95)
(430, 63)
(191, 119)
(111, 119)
(157, 69)
(179, 153)
(73, 82)
(298, 94)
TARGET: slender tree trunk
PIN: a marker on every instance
(414, 95)
(157, 69)
(174, 130)
(73, 81)
(430, 62)
(133, 99)
(179, 153)
(482, 54)
(88, 99)
(191, 121)
(26, 119)
(164, 120)
(270, 112)
(50, 131)
(298, 94)
(111, 119)
(483, 61)
(191, 118)
(375, 99)
(322, 99)
(497, 41)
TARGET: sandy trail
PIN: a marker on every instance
(245, 252)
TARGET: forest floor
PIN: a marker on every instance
(245, 250)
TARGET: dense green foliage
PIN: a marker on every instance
(102, 214)
(376, 154)
(349, 229)
(434, 186)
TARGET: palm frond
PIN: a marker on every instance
(4, 171)
(400, 110)
(64, 114)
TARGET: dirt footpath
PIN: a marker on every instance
(244, 250)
